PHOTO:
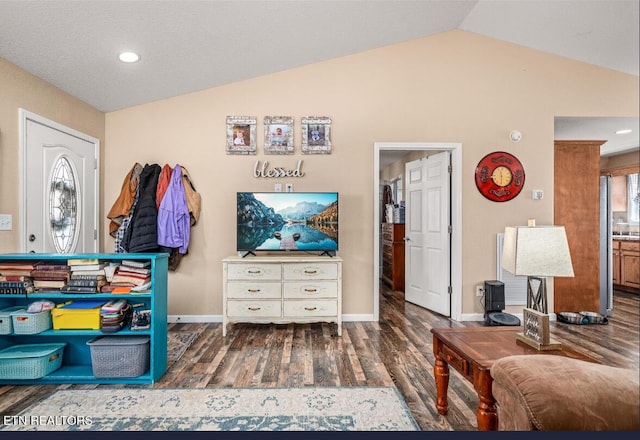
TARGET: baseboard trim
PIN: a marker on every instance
(218, 318)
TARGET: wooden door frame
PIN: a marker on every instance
(456, 217)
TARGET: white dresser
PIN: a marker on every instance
(280, 290)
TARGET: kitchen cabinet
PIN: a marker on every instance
(627, 265)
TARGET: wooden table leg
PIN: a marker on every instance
(486, 414)
(441, 373)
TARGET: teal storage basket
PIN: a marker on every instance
(6, 323)
(31, 323)
(30, 361)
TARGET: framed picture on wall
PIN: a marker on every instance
(241, 134)
(316, 135)
(278, 135)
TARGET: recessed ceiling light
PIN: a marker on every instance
(129, 57)
(625, 131)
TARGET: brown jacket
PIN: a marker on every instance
(121, 207)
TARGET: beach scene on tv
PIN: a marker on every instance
(287, 221)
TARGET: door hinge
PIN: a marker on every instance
(450, 169)
(95, 234)
(449, 290)
(95, 163)
(450, 229)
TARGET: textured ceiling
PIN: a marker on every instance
(188, 46)
(193, 45)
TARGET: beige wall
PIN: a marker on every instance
(19, 89)
(452, 87)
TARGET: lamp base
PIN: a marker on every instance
(552, 345)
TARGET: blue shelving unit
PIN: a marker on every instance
(76, 363)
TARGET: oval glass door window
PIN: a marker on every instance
(63, 206)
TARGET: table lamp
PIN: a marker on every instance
(537, 252)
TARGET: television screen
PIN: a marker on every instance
(287, 221)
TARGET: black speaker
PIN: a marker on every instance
(493, 296)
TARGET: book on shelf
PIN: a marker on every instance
(134, 270)
(82, 261)
(88, 267)
(23, 283)
(119, 290)
(79, 289)
(48, 284)
(16, 290)
(88, 272)
(10, 265)
(130, 279)
(52, 266)
(14, 278)
(85, 276)
(110, 269)
(50, 274)
(136, 263)
(86, 283)
(19, 272)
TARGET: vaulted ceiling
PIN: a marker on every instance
(188, 45)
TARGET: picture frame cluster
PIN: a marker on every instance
(278, 135)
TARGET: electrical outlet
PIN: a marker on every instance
(479, 290)
(6, 223)
(277, 187)
(289, 187)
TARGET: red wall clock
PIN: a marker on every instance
(499, 176)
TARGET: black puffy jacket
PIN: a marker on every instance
(142, 233)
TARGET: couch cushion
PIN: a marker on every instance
(560, 393)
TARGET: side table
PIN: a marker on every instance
(471, 351)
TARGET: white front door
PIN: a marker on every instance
(60, 180)
(427, 243)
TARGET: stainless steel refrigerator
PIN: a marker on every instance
(606, 243)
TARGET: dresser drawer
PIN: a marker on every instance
(305, 289)
(302, 308)
(254, 290)
(311, 271)
(258, 271)
(254, 309)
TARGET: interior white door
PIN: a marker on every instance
(427, 231)
(61, 188)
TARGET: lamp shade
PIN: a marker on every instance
(537, 251)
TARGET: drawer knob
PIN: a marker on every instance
(252, 272)
(253, 309)
(310, 290)
(253, 290)
(310, 309)
(310, 271)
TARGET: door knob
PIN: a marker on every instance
(32, 237)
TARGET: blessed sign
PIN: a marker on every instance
(274, 172)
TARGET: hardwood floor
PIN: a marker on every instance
(397, 350)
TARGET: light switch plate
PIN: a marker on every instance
(6, 223)
(277, 187)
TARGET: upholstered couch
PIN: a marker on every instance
(552, 393)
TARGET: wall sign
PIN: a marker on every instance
(273, 172)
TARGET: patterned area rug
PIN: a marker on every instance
(177, 343)
(224, 409)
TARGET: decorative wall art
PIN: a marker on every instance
(316, 135)
(241, 134)
(278, 135)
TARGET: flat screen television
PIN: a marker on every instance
(287, 221)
